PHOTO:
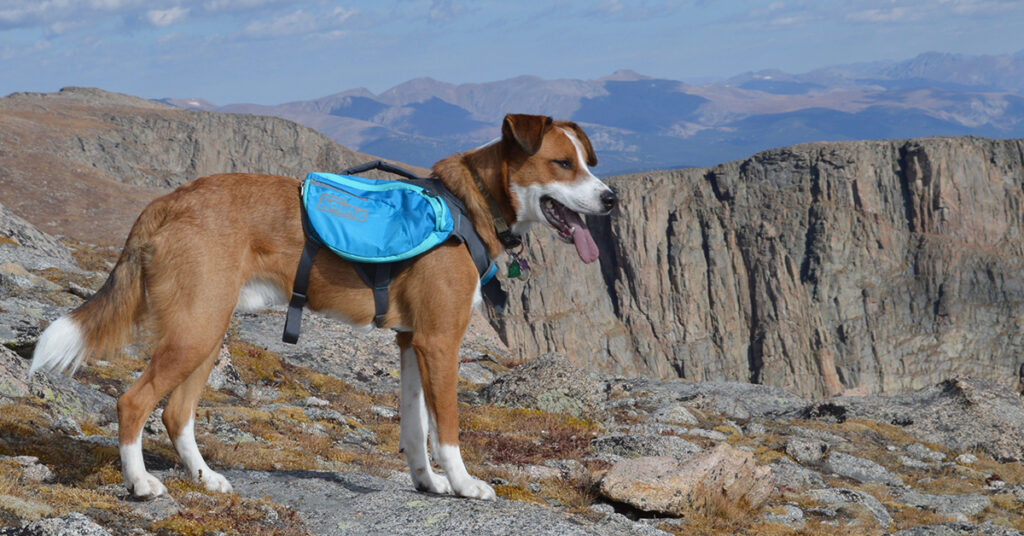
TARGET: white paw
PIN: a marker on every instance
(214, 481)
(474, 488)
(146, 486)
(433, 483)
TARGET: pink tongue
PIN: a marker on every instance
(585, 245)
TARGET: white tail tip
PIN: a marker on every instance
(60, 348)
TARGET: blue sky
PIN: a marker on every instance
(273, 51)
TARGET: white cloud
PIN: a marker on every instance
(166, 17)
(300, 22)
(889, 15)
(446, 10)
(240, 5)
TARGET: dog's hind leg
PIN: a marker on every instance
(188, 331)
(439, 369)
(179, 418)
(171, 364)
(414, 422)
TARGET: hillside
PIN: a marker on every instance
(84, 162)
(899, 261)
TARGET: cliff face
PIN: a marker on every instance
(859, 267)
(84, 162)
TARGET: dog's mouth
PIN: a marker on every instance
(570, 228)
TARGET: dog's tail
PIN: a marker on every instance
(105, 321)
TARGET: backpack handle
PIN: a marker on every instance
(381, 165)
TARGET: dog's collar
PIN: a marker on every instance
(507, 238)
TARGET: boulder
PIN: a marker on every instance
(549, 383)
(860, 469)
(675, 487)
(852, 501)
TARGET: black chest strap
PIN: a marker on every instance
(293, 322)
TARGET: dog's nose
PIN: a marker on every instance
(609, 199)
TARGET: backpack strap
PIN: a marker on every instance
(293, 322)
(378, 277)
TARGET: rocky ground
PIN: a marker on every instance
(308, 436)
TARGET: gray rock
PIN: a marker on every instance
(922, 452)
(358, 504)
(966, 459)
(754, 429)
(326, 414)
(806, 451)
(225, 377)
(1017, 491)
(550, 383)
(789, 476)
(73, 524)
(960, 529)
(63, 395)
(848, 499)
(23, 243)
(676, 414)
(964, 505)
(312, 401)
(914, 463)
(962, 414)
(632, 445)
(860, 469)
(791, 517)
(568, 469)
(25, 509)
(713, 435)
(367, 359)
(814, 433)
(475, 373)
(384, 412)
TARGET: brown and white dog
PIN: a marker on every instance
(233, 241)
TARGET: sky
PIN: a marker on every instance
(275, 51)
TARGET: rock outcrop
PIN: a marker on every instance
(863, 267)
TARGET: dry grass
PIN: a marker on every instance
(523, 436)
(1011, 473)
(223, 512)
(21, 420)
(91, 257)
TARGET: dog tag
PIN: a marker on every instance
(514, 270)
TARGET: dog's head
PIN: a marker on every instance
(549, 179)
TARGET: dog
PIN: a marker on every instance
(233, 241)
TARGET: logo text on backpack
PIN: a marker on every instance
(341, 208)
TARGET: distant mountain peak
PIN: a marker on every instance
(624, 75)
(417, 90)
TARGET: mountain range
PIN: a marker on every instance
(640, 123)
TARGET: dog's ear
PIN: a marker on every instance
(526, 131)
(588, 149)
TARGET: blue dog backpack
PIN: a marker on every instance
(375, 221)
(380, 226)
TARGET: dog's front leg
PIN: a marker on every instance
(414, 425)
(438, 362)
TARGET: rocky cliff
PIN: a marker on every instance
(864, 267)
(84, 162)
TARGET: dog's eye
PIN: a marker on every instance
(564, 164)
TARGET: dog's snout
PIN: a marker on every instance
(609, 199)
